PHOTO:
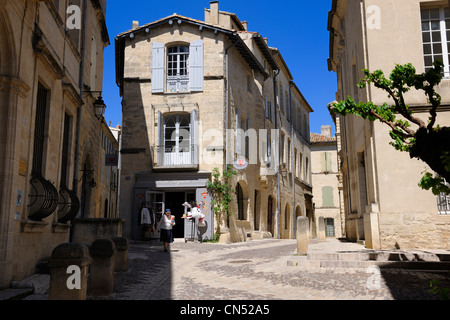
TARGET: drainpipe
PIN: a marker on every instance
(81, 81)
(227, 115)
(278, 169)
(292, 159)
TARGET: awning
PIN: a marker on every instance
(161, 181)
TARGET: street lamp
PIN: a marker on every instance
(283, 170)
(99, 105)
(99, 108)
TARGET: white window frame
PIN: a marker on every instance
(178, 80)
(180, 153)
(444, 41)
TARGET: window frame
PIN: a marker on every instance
(442, 41)
(177, 75)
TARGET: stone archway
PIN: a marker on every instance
(298, 213)
(12, 90)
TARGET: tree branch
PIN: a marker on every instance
(406, 134)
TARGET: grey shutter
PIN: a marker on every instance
(157, 67)
(238, 134)
(327, 196)
(196, 65)
(160, 142)
(194, 137)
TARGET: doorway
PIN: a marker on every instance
(329, 227)
(174, 201)
(270, 215)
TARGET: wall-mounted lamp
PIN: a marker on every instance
(92, 184)
(99, 108)
(283, 170)
(99, 105)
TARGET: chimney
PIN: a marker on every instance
(326, 131)
(245, 24)
(214, 12)
(135, 24)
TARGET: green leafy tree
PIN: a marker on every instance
(221, 191)
(428, 141)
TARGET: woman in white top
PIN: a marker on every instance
(166, 223)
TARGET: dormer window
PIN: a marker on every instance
(178, 69)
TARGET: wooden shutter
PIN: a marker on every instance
(160, 143)
(194, 137)
(327, 197)
(157, 67)
(196, 65)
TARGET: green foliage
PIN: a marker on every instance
(436, 289)
(436, 184)
(401, 80)
(221, 190)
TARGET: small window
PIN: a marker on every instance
(178, 69)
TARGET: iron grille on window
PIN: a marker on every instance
(43, 196)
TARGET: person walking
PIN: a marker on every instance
(166, 223)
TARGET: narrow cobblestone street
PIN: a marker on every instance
(256, 270)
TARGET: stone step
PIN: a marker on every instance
(417, 265)
(380, 256)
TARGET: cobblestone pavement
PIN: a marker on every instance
(255, 270)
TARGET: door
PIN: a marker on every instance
(329, 227)
(155, 203)
(174, 201)
(270, 215)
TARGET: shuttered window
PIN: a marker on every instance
(327, 197)
(326, 162)
(157, 67)
(181, 66)
(196, 66)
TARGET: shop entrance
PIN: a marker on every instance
(174, 201)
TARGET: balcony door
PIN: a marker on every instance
(177, 140)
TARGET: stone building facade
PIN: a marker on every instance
(51, 62)
(325, 181)
(199, 95)
(383, 204)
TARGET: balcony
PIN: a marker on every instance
(175, 158)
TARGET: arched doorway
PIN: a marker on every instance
(298, 212)
(87, 184)
(270, 214)
(240, 202)
(287, 214)
(106, 209)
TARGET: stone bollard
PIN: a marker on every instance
(101, 277)
(121, 260)
(69, 266)
(322, 234)
(302, 235)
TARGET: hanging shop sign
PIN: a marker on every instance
(240, 163)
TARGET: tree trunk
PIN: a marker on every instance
(431, 147)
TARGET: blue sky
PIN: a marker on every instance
(297, 28)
